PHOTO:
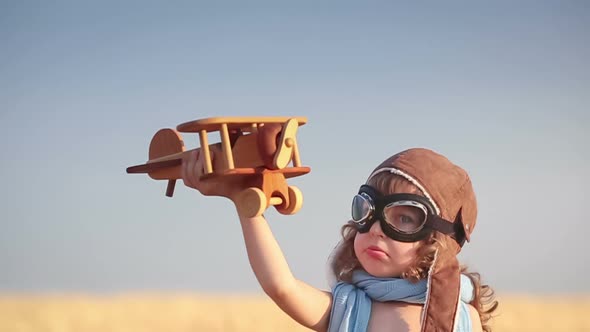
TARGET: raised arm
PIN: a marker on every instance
(307, 305)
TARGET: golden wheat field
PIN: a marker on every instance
(181, 313)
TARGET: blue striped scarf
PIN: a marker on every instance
(351, 306)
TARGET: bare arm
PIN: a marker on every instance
(307, 305)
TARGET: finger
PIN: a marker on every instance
(212, 155)
(183, 168)
(189, 175)
(194, 170)
(186, 158)
(200, 161)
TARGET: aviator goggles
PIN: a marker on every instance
(402, 217)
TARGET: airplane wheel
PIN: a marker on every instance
(251, 202)
(295, 201)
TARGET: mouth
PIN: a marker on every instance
(376, 252)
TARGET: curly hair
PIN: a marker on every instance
(344, 261)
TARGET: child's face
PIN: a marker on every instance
(382, 256)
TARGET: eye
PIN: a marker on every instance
(404, 218)
(407, 220)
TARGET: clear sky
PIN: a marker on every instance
(501, 89)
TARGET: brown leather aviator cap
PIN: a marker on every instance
(449, 189)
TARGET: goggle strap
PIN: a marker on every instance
(454, 230)
(442, 225)
(461, 236)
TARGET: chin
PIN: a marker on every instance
(381, 270)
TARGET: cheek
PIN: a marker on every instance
(358, 243)
(404, 252)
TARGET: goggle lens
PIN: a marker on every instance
(405, 216)
(362, 206)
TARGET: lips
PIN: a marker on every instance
(375, 252)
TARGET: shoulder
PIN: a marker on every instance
(475, 320)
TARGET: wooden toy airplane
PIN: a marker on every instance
(259, 148)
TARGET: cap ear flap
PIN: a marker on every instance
(444, 289)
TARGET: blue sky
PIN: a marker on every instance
(501, 89)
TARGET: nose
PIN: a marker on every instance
(376, 230)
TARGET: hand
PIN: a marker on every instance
(192, 170)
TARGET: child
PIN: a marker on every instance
(396, 265)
